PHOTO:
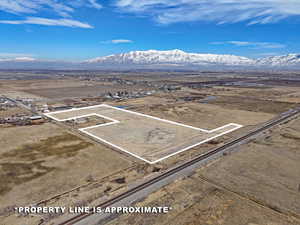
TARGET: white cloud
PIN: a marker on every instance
(38, 7)
(95, 4)
(24, 59)
(251, 44)
(117, 41)
(14, 55)
(48, 22)
(33, 7)
(20, 57)
(219, 11)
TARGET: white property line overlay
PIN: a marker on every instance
(84, 130)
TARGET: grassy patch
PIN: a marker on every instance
(66, 145)
(25, 163)
(16, 173)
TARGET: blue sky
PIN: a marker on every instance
(83, 29)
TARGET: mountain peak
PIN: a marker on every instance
(175, 56)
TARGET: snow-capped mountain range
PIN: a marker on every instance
(284, 60)
(153, 59)
(171, 57)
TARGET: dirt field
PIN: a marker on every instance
(52, 88)
(257, 185)
(38, 162)
(21, 94)
(40, 84)
(266, 170)
(194, 201)
(21, 88)
(81, 91)
(143, 136)
(280, 94)
(254, 105)
(208, 116)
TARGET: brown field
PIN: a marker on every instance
(40, 84)
(194, 201)
(257, 185)
(94, 89)
(280, 94)
(140, 135)
(207, 116)
(68, 92)
(266, 170)
(254, 105)
(39, 162)
(53, 88)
